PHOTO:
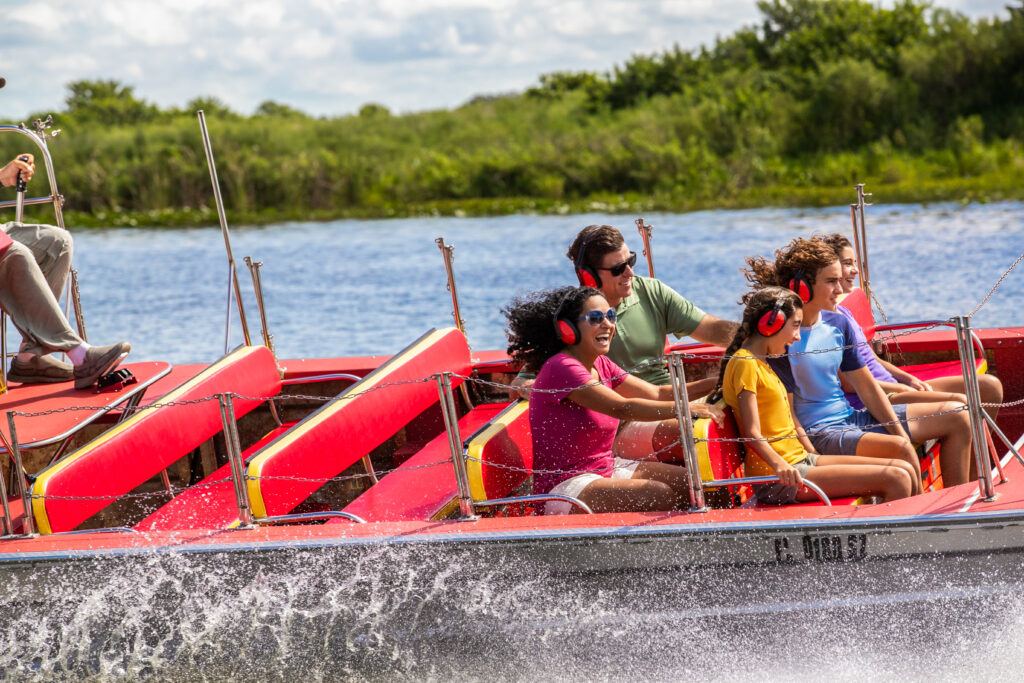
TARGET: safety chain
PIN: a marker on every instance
(176, 490)
(241, 397)
(685, 356)
(447, 461)
(71, 409)
(151, 494)
(995, 287)
(347, 477)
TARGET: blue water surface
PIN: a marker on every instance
(361, 287)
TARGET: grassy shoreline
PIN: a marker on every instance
(992, 187)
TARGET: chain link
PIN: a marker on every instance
(150, 494)
(995, 286)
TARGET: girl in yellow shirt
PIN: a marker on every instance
(764, 411)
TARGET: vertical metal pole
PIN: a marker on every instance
(76, 303)
(8, 521)
(26, 501)
(675, 367)
(865, 269)
(3, 347)
(227, 416)
(982, 458)
(451, 428)
(257, 287)
(856, 244)
(645, 235)
(224, 225)
(447, 252)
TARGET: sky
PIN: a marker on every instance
(329, 57)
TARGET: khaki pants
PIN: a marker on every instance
(28, 296)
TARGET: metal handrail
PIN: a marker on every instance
(306, 516)
(536, 497)
(768, 479)
(101, 530)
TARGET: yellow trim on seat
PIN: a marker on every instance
(700, 431)
(254, 470)
(44, 477)
(475, 448)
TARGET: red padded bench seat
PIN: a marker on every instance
(134, 451)
(857, 303)
(423, 487)
(209, 503)
(362, 417)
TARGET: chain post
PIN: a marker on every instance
(860, 237)
(982, 457)
(231, 442)
(257, 287)
(645, 235)
(26, 500)
(451, 428)
(675, 367)
(8, 520)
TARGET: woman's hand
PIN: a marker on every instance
(917, 385)
(708, 410)
(521, 388)
(788, 475)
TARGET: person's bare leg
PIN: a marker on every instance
(628, 495)
(952, 429)
(666, 434)
(989, 386)
(888, 446)
(672, 475)
(890, 482)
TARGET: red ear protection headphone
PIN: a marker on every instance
(588, 277)
(802, 286)
(565, 329)
(772, 322)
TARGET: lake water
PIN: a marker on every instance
(364, 287)
(370, 287)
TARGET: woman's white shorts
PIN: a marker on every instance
(623, 469)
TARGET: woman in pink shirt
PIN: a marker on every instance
(579, 398)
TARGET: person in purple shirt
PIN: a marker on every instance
(827, 347)
(577, 401)
(901, 386)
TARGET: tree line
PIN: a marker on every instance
(816, 96)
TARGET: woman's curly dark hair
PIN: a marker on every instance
(531, 323)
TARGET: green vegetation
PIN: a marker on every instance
(921, 103)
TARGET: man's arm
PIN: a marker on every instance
(712, 330)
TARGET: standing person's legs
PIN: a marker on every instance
(26, 296)
(52, 249)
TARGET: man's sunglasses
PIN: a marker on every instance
(620, 268)
(595, 317)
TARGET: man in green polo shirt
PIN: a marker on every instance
(648, 310)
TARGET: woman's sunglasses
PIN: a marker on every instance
(619, 268)
(595, 317)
